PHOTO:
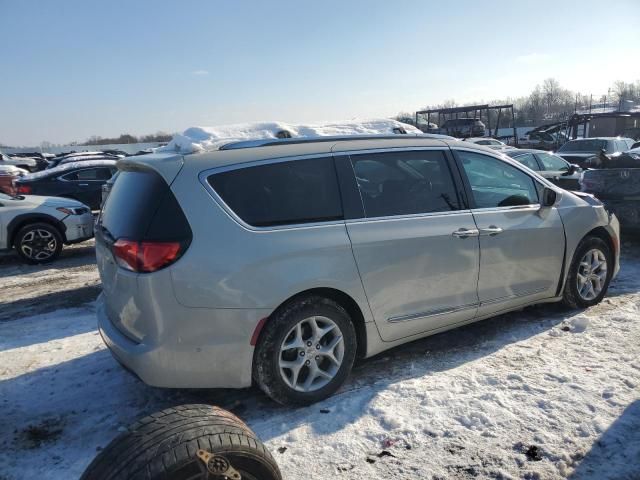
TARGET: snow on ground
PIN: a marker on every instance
(538, 394)
(199, 139)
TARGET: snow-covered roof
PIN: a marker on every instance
(203, 139)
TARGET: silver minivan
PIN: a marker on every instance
(280, 261)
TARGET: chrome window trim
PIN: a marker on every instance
(513, 208)
(408, 216)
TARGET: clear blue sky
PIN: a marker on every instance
(72, 69)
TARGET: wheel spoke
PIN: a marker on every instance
(296, 341)
(293, 366)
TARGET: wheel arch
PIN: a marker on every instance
(25, 219)
(341, 298)
(598, 232)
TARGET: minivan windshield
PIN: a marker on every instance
(586, 145)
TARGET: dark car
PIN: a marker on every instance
(617, 185)
(552, 167)
(579, 150)
(81, 157)
(106, 188)
(81, 181)
(463, 128)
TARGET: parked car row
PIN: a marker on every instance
(42, 211)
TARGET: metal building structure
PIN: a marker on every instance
(467, 112)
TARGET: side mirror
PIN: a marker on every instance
(573, 168)
(549, 197)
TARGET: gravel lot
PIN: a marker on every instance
(538, 394)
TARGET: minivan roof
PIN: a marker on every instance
(168, 164)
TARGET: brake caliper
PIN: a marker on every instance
(218, 466)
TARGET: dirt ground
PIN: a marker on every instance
(31, 289)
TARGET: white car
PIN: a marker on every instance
(492, 143)
(37, 227)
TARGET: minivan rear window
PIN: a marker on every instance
(141, 206)
(282, 193)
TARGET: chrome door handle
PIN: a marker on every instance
(491, 230)
(83, 184)
(465, 233)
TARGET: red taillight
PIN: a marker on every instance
(145, 256)
(23, 189)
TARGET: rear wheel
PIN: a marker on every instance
(589, 274)
(306, 351)
(188, 442)
(38, 243)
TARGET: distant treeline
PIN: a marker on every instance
(547, 103)
(127, 138)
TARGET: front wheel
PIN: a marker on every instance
(38, 243)
(306, 351)
(590, 273)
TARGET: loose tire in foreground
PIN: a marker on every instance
(589, 274)
(171, 444)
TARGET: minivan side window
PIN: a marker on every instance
(404, 183)
(495, 183)
(282, 193)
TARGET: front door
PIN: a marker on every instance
(521, 244)
(86, 184)
(416, 247)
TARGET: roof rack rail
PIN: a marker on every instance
(268, 142)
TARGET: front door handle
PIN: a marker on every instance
(491, 230)
(83, 184)
(465, 233)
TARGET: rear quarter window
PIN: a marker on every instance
(282, 193)
(141, 206)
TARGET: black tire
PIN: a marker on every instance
(164, 446)
(266, 371)
(571, 297)
(21, 242)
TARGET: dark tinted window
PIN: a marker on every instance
(495, 183)
(141, 206)
(403, 183)
(283, 193)
(88, 174)
(586, 145)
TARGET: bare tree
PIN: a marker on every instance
(551, 89)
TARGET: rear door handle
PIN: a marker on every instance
(83, 184)
(491, 230)
(465, 233)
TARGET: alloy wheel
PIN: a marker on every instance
(311, 354)
(39, 244)
(592, 274)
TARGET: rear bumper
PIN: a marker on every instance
(199, 348)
